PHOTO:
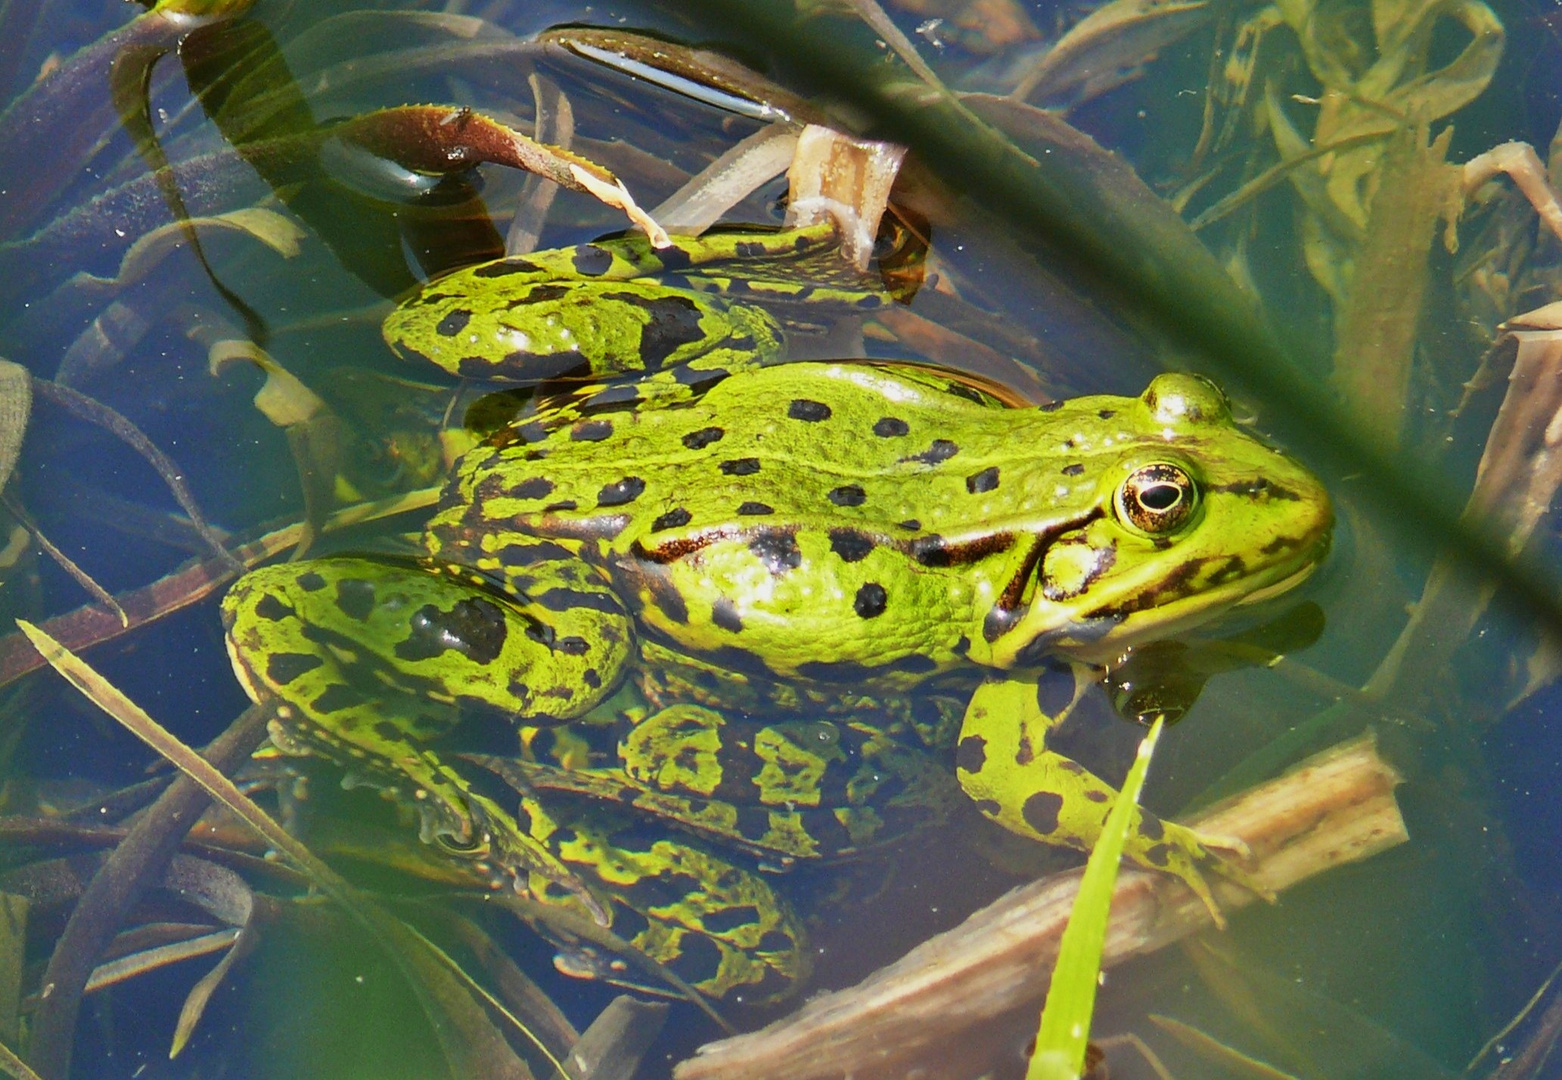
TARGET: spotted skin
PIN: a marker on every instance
(804, 540)
(1003, 751)
(622, 306)
(714, 924)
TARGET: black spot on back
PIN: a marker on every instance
(851, 545)
(356, 598)
(336, 698)
(941, 450)
(310, 581)
(810, 411)
(673, 519)
(870, 601)
(1076, 469)
(699, 440)
(620, 492)
(746, 466)
(719, 922)
(725, 615)
(473, 627)
(591, 430)
(669, 600)
(533, 487)
(777, 549)
(453, 323)
(591, 260)
(848, 495)
(755, 509)
(505, 267)
(982, 482)
(539, 294)
(775, 941)
(1054, 690)
(890, 426)
(674, 321)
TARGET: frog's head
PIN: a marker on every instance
(1191, 516)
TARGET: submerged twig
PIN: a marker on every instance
(190, 584)
(64, 561)
(90, 409)
(617, 1039)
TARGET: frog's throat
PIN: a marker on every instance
(1104, 628)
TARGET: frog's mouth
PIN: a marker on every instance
(1285, 584)
(1129, 618)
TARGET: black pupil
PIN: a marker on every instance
(1160, 497)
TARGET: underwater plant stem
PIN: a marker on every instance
(133, 866)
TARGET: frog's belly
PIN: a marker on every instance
(782, 602)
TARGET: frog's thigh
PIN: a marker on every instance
(340, 638)
(718, 926)
(1005, 767)
(369, 661)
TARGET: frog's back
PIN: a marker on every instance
(792, 446)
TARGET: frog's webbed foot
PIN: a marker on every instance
(1006, 767)
(1193, 856)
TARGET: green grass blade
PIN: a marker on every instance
(1065, 1019)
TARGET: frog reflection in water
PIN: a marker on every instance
(785, 537)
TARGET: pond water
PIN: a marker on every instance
(1282, 210)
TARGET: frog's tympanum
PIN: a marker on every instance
(778, 556)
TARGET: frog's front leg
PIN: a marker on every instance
(368, 662)
(1005, 766)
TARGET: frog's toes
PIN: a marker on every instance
(1234, 846)
(509, 849)
(1229, 856)
(1193, 857)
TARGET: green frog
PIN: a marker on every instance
(739, 537)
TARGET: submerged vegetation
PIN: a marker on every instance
(209, 210)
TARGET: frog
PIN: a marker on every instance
(771, 533)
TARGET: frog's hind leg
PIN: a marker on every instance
(369, 662)
(1005, 766)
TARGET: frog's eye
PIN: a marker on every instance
(1156, 499)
